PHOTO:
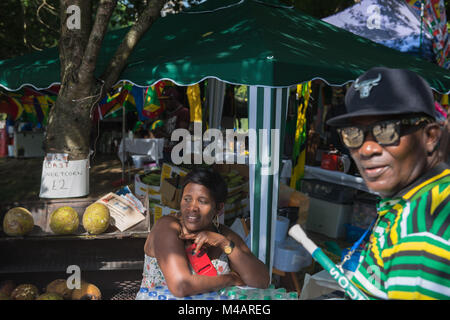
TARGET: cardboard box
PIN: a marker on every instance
(171, 171)
(236, 209)
(242, 169)
(160, 210)
(140, 189)
(171, 192)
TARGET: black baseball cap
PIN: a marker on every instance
(385, 91)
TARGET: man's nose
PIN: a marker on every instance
(370, 146)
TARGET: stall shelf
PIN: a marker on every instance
(113, 260)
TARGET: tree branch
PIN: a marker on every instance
(73, 41)
(104, 12)
(118, 62)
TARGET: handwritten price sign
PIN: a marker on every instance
(62, 178)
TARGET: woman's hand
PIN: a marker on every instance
(207, 238)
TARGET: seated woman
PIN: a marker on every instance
(166, 262)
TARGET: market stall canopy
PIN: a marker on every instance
(388, 22)
(241, 42)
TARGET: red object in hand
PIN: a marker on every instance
(200, 261)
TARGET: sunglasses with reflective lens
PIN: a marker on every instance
(385, 133)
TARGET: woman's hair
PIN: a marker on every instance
(209, 179)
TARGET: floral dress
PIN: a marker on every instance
(152, 275)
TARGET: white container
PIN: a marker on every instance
(290, 256)
(328, 218)
(139, 161)
(281, 228)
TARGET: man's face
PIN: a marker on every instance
(388, 169)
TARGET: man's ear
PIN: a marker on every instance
(433, 136)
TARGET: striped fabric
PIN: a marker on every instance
(267, 111)
(408, 253)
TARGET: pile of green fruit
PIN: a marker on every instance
(151, 179)
(64, 220)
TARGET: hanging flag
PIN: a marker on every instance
(29, 111)
(152, 104)
(111, 102)
(435, 23)
(126, 100)
(299, 152)
(11, 106)
(195, 104)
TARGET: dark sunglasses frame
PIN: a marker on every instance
(398, 126)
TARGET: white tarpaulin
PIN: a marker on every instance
(388, 22)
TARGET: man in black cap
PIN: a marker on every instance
(392, 136)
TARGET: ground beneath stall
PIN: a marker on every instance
(20, 178)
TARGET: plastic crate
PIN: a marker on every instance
(328, 191)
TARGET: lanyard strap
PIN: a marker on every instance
(356, 245)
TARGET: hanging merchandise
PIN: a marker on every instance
(195, 104)
(10, 104)
(435, 23)
(109, 106)
(444, 102)
(152, 107)
(299, 152)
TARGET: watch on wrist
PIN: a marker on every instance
(229, 248)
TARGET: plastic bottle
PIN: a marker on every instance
(162, 297)
(278, 296)
(232, 294)
(152, 295)
(142, 294)
(293, 295)
(213, 294)
(199, 296)
(281, 290)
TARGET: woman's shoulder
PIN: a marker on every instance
(168, 222)
(164, 227)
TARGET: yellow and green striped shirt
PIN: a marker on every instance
(408, 253)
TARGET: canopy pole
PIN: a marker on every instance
(267, 118)
(124, 152)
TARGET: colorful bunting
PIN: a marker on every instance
(435, 23)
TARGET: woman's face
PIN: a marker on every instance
(197, 207)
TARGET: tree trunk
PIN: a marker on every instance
(69, 126)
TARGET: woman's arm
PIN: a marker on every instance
(252, 271)
(170, 254)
